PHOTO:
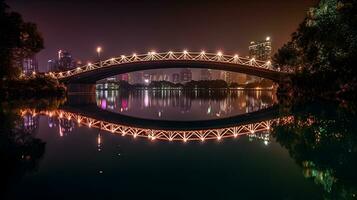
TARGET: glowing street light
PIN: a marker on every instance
(99, 50)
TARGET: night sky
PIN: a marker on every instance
(124, 27)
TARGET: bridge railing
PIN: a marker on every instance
(170, 55)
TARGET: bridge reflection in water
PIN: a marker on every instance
(259, 130)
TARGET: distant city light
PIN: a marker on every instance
(59, 54)
(268, 38)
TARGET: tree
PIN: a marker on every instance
(325, 44)
(18, 40)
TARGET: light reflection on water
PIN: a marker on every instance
(313, 151)
(184, 105)
(66, 122)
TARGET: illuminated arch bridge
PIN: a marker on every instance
(92, 72)
(168, 135)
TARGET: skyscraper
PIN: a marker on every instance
(136, 77)
(185, 75)
(30, 65)
(52, 66)
(206, 74)
(260, 50)
(65, 60)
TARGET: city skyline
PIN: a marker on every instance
(236, 27)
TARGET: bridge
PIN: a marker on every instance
(92, 72)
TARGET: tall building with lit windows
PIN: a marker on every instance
(260, 50)
(63, 62)
(206, 74)
(185, 75)
(29, 65)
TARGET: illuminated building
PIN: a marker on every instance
(206, 74)
(52, 66)
(136, 78)
(185, 75)
(122, 77)
(260, 50)
(30, 65)
(63, 62)
(175, 77)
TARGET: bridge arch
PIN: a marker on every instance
(90, 73)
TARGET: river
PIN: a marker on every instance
(164, 144)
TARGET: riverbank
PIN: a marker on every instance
(37, 87)
(191, 89)
(324, 85)
(191, 85)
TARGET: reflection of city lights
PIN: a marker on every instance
(146, 98)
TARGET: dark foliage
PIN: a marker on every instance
(18, 40)
(323, 50)
(321, 139)
(38, 87)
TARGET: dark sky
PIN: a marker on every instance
(124, 27)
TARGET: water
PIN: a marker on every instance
(184, 105)
(281, 151)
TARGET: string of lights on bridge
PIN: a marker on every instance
(159, 134)
(218, 57)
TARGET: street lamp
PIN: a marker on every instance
(99, 50)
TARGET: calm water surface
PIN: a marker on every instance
(184, 105)
(309, 154)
